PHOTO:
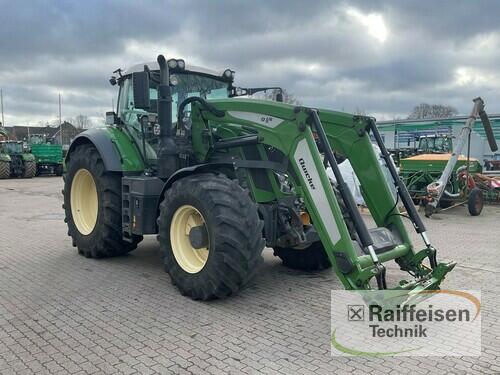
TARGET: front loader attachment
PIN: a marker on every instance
(307, 141)
(389, 240)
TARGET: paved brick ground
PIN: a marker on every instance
(62, 313)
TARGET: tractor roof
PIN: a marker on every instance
(153, 65)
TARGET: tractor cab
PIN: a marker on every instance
(138, 98)
(435, 144)
(38, 139)
(12, 147)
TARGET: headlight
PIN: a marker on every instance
(181, 64)
(156, 129)
(174, 81)
(172, 63)
(227, 73)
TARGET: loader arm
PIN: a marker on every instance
(357, 257)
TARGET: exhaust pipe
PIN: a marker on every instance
(168, 161)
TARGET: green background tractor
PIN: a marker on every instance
(49, 156)
(218, 178)
(15, 161)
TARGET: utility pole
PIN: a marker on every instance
(60, 122)
(1, 101)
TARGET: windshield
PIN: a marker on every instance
(13, 147)
(198, 85)
(423, 144)
(188, 85)
(37, 139)
(437, 144)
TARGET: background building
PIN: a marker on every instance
(69, 132)
(404, 134)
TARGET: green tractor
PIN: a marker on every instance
(218, 178)
(49, 156)
(15, 161)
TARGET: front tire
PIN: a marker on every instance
(312, 258)
(230, 239)
(29, 169)
(92, 204)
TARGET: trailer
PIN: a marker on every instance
(49, 156)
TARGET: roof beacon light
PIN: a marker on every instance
(181, 64)
(172, 63)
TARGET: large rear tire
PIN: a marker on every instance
(228, 245)
(312, 258)
(29, 169)
(92, 204)
(4, 169)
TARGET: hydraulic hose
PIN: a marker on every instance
(207, 106)
(401, 188)
(345, 193)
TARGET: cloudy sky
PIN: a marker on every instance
(379, 57)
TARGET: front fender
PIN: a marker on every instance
(117, 151)
(28, 157)
(208, 167)
(5, 157)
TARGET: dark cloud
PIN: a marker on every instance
(331, 54)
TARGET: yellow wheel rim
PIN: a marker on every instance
(190, 259)
(84, 201)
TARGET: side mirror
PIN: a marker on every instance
(279, 97)
(140, 81)
(111, 118)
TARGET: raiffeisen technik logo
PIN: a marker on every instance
(396, 323)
